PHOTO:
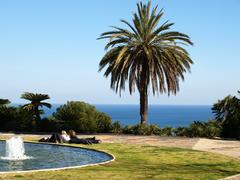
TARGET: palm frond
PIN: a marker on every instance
(4, 102)
(36, 102)
(34, 96)
(146, 53)
(46, 105)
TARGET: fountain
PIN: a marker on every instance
(38, 156)
(15, 149)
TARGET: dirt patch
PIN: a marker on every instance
(226, 147)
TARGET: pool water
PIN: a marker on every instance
(45, 156)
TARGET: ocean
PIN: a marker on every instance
(162, 115)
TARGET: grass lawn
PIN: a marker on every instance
(146, 162)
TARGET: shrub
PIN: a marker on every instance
(154, 130)
(212, 129)
(142, 129)
(116, 128)
(24, 120)
(181, 131)
(208, 129)
(82, 117)
(48, 125)
(167, 131)
(127, 129)
(196, 129)
(15, 119)
(104, 123)
(231, 128)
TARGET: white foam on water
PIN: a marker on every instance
(15, 150)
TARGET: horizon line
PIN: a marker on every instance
(128, 104)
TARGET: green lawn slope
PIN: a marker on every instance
(146, 162)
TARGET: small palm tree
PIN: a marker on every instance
(226, 108)
(36, 102)
(146, 55)
(227, 113)
(4, 102)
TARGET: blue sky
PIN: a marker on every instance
(51, 47)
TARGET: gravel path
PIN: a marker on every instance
(226, 147)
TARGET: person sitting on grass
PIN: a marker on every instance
(76, 140)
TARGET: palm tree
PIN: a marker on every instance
(147, 55)
(36, 102)
(4, 102)
(227, 113)
(226, 108)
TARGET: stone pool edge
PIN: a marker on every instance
(62, 168)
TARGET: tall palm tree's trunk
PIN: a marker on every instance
(143, 106)
(143, 93)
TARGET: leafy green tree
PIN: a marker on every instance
(147, 55)
(4, 102)
(36, 101)
(104, 122)
(82, 117)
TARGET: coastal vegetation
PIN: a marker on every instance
(208, 129)
(227, 113)
(15, 119)
(85, 118)
(82, 117)
(147, 55)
